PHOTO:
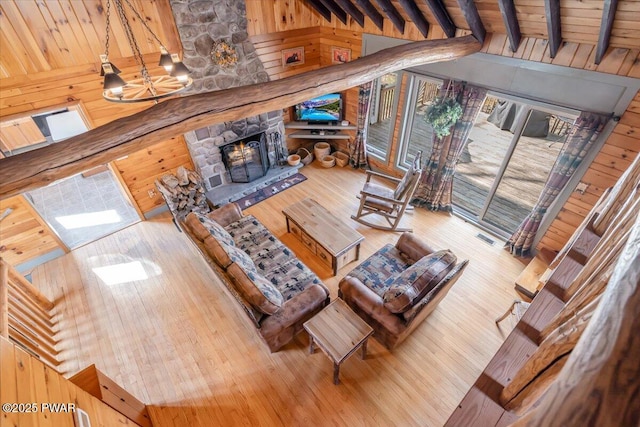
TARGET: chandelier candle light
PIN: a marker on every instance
(146, 87)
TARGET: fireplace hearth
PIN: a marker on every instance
(246, 159)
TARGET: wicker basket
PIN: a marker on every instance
(328, 161)
(321, 149)
(306, 156)
(342, 159)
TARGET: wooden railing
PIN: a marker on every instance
(427, 93)
(25, 315)
(386, 103)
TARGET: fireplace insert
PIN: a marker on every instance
(246, 159)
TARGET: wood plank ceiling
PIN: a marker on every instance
(45, 35)
(608, 24)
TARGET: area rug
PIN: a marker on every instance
(270, 190)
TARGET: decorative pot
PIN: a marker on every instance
(293, 160)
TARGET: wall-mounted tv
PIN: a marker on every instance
(322, 109)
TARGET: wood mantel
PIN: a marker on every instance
(179, 115)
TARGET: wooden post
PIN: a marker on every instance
(584, 224)
(628, 182)
(523, 401)
(599, 384)
(559, 343)
(4, 298)
(593, 287)
(602, 253)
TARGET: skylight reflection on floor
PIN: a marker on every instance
(89, 219)
(116, 269)
(121, 273)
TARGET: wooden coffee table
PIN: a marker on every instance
(339, 332)
(333, 241)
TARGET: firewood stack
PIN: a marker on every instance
(183, 193)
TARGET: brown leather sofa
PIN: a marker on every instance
(397, 287)
(275, 289)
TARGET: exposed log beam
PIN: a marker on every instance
(471, 15)
(552, 13)
(389, 9)
(371, 12)
(442, 16)
(352, 10)
(336, 10)
(321, 9)
(508, 12)
(416, 16)
(179, 115)
(608, 16)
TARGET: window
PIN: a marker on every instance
(382, 113)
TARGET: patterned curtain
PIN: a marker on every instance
(436, 184)
(581, 137)
(358, 157)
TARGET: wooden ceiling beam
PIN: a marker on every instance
(608, 15)
(176, 116)
(353, 11)
(320, 8)
(416, 16)
(371, 12)
(442, 16)
(392, 13)
(336, 10)
(471, 15)
(554, 29)
(510, 19)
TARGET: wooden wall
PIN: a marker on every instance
(25, 379)
(317, 43)
(24, 235)
(140, 170)
(287, 18)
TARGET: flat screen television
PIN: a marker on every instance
(322, 109)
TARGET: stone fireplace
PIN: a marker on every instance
(201, 23)
(246, 159)
(205, 145)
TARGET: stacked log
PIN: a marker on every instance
(183, 192)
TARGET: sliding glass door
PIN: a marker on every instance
(510, 152)
(418, 134)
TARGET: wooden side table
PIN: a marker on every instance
(339, 332)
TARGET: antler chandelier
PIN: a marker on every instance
(146, 87)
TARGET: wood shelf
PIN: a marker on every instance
(304, 125)
(305, 130)
(308, 135)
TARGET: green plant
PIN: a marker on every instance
(443, 114)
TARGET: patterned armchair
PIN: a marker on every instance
(397, 287)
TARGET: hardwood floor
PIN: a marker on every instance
(178, 342)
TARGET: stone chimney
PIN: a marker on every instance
(201, 23)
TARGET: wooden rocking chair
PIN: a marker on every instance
(389, 203)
